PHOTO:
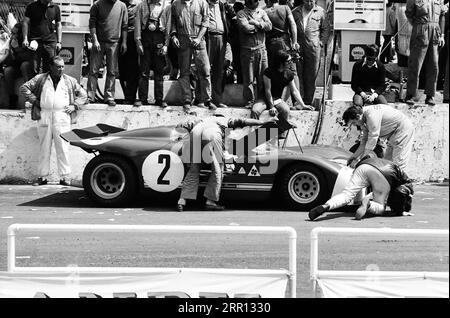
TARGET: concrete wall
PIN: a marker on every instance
(19, 145)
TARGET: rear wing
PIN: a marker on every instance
(99, 130)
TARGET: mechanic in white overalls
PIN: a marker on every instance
(385, 122)
(56, 97)
(207, 145)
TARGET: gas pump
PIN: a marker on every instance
(358, 22)
(75, 24)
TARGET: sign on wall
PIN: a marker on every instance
(356, 52)
(68, 54)
(359, 15)
(75, 15)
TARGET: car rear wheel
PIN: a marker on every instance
(303, 187)
(110, 180)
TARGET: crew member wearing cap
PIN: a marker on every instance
(42, 23)
(390, 186)
(368, 78)
(385, 122)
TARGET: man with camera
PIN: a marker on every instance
(152, 38)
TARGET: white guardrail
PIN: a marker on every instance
(15, 229)
(316, 274)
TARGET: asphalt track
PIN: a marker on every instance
(64, 205)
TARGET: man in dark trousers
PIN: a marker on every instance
(128, 62)
(389, 184)
(368, 78)
(220, 15)
(108, 25)
(42, 23)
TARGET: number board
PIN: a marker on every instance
(162, 171)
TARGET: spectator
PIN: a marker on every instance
(172, 51)
(276, 79)
(108, 25)
(386, 51)
(128, 62)
(253, 23)
(427, 18)
(446, 97)
(190, 21)
(235, 42)
(210, 133)
(385, 122)
(42, 23)
(284, 29)
(152, 38)
(17, 64)
(289, 3)
(389, 184)
(368, 78)
(220, 15)
(313, 32)
(56, 98)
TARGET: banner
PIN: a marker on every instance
(159, 282)
(414, 285)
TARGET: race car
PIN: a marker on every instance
(128, 162)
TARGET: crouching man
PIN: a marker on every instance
(390, 186)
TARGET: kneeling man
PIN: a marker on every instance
(390, 186)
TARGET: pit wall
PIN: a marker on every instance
(19, 144)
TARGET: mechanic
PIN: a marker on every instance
(276, 79)
(390, 185)
(55, 97)
(210, 134)
(385, 122)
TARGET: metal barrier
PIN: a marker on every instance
(316, 274)
(18, 228)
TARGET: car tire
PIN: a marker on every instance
(302, 187)
(110, 180)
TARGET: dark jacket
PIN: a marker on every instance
(393, 174)
(365, 79)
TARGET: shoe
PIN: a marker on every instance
(210, 105)
(318, 211)
(40, 181)
(111, 102)
(430, 101)
(195, 102)
(249, 105)
(187, 109)
(222, 105)
(363, 208)
(137, 103)
(409, 100)
(161, 103)
(200, 105)
(63, 182)
(214, 207)
(180, 207)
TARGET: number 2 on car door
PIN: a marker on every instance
(165, 159)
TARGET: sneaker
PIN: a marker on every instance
(40, 181)
(63, 182)
(430, 101)
(111, 102)
(363, 208)
(210, 105)
(137, 103)
(318, 211)
(409, 100)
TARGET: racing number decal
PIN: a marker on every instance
(162, 171)
(164, 158)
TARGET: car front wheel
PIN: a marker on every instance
(303, 187)
(110, 180)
